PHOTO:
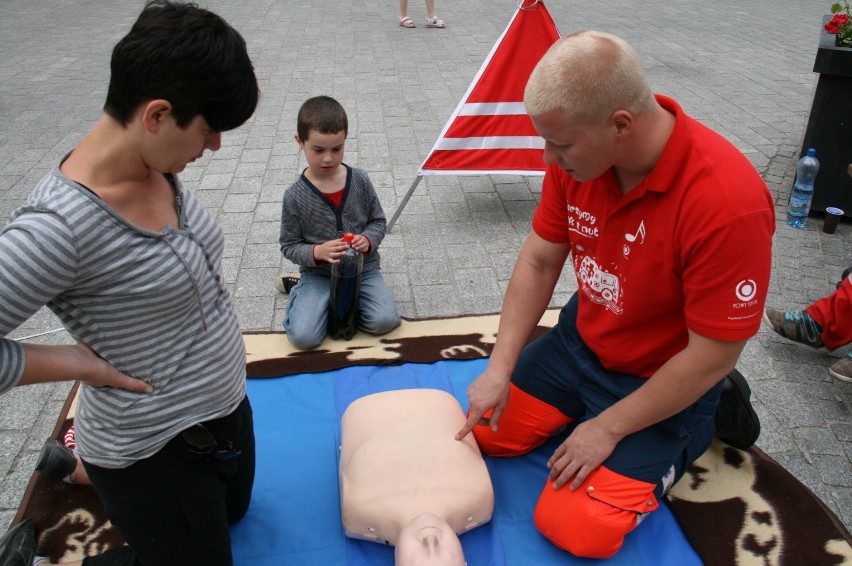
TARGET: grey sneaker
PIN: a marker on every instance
(286, 281)
(798, 326)
(842, 369)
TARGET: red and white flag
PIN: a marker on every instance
(490, 131)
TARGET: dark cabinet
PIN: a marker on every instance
(829, 128)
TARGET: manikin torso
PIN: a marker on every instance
(399, 461)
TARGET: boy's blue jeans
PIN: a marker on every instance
(307, 310)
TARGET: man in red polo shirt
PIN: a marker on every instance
(669, 229)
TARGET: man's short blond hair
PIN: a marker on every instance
(589, 75)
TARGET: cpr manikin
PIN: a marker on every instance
(406, 481)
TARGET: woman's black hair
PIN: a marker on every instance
(188, 56)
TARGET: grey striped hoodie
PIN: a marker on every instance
(153, 304)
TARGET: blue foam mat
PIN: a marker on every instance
(294, 517)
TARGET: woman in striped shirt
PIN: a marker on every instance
(118, 248)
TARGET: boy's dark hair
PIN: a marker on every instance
(323, 114)
(188, 56)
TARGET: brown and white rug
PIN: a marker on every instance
(735, 507)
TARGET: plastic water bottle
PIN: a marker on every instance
(345, 292)
(803, 190)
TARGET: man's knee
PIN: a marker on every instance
(498, 444)
(525, 425)
(592, 521)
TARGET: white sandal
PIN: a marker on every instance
(435, 22)
(407, 22)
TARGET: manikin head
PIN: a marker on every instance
(428, 540)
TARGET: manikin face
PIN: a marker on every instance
(323, 152)
(584, 152)
(427, 540)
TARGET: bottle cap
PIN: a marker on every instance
(348, 237)
(811, 152)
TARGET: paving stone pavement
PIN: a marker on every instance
(743, 68)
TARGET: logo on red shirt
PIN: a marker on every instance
(746, 290)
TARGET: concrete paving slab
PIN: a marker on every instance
(741, 68)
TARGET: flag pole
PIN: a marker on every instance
(404, 202)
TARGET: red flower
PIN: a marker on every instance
(836, 23)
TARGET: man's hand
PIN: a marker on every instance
(330, 251)
(489, 391)
(581, 453)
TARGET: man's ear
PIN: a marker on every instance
(299, 141)
(154, 113)
(623, 122)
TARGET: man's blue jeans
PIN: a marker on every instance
(307, 310)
